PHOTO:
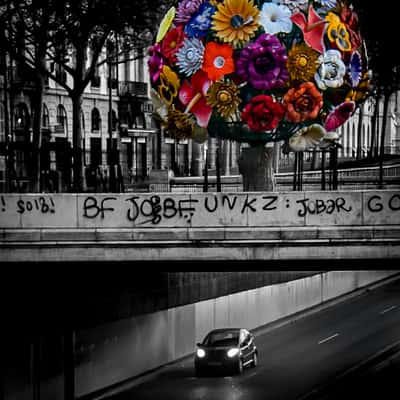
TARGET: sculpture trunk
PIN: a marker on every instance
(255, 165)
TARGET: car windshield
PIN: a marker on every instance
(225, 338)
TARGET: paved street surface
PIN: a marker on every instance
(296, 358)
(378, 382)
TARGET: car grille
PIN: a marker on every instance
(217, 355)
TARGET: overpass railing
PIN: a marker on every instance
(351, 178)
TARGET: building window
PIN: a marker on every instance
(61, 118)
(61, 75)
(112, 64)
(2, 124)
(112, 153)
(45, 117)
(95, 152)
(96, 80)
(96, 120)
(22, 120)
(82, 120)
(114, 120)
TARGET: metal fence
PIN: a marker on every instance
(352, 178)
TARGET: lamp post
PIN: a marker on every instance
(205, 185)
(7, 135)
(112, 188)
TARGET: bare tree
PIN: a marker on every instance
(26, 28)
(72, 34)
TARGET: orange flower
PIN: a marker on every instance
(303, 102)
(218, 60)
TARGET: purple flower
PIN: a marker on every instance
(355, 68)
(155, 62)
(262, 63)
(186, 9)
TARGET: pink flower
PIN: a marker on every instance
(193, 96)
(155, 62)
(313, 28)
(339, 115)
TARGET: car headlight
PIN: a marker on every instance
(200, 353)
(233, 352)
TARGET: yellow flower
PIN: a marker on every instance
(236, 21)
(215, 3)
(302, 62)
(165, 24)
(337, 32)
(168, 89)
(179, 125)
(361, 92)
(224, 98)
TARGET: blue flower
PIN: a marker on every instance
(200, 22)
(355, 68)
(328, 4)
(190, 56)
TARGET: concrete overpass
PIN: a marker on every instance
(200, 226)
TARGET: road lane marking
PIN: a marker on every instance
(388, 309)
(328, 338)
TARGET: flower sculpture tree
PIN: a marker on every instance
(258, 72)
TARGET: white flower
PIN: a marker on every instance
(331, 70)
(190, 56)
(329, 140)
(275, 18)
(307, 137)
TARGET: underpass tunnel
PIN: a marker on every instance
(91, 330)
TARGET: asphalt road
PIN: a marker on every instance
(294, 359)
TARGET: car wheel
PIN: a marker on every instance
(255, 360)
(240, 367)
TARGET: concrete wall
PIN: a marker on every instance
(218, 226)
(199, 210)
(118, 351)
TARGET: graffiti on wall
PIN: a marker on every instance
(154, 208)
(194, 209)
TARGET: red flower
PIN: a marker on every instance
(172, 42)
(263, 113)
(350, 19)
(303, 102)
(218, 60)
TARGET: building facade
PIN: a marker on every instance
(118, 130)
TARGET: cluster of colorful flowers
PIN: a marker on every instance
(258, 63)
